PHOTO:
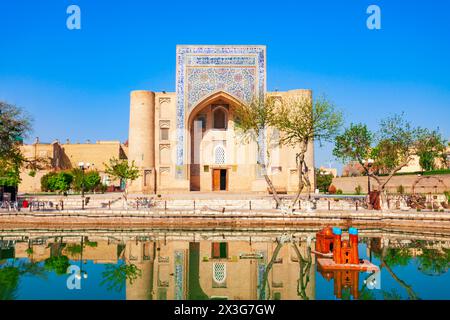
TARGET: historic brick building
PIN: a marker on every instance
(185, 140)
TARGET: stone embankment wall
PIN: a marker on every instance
(116, 202)
(231, 219)
(429, 184)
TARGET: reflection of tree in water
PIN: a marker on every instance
(116, 275)
(9, 281)
(391, 295)
(391, 257)
(57, 262)
(433, 262)
(10, 274)
(304, 269)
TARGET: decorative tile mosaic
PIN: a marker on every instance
(203, 70)
(262, 264)
(202, 82)
(179, 275)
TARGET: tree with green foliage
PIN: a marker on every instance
(123, 171)
(60, 182)
(355, 144)
(302, 121)
(392, 147)
(251, 122)
(430, 146)
(397, 141)
(46, 181)
(10, 169)
(15, 125)
(90, 180)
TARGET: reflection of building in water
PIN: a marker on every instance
(343, 279)
(178, 265)
(141, 254)
(100, 252)
(218, 270)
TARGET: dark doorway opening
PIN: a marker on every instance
(223, 179)
(219, 180)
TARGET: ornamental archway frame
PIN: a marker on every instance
(203, 70)
(422, 178)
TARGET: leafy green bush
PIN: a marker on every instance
(90, 180)
(56, 181)
(358, 190)
(426, 161)
(60, 182)
(45, 181)
(339, 191)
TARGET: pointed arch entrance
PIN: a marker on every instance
(208, 123)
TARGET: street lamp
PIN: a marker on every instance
(82, 274)
(83, 166)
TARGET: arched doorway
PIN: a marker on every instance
(209, 123)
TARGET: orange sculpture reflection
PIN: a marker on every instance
(339, 260)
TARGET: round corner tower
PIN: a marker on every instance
(141, 140)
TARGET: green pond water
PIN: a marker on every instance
(216, 264)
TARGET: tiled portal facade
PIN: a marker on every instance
(185, 140)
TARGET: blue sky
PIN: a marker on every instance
(76, 83)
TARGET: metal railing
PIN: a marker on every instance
(9, 205)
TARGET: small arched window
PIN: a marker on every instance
(220, 119)
(219, 272)
(219, 155)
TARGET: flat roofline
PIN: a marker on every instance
(222, 45)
